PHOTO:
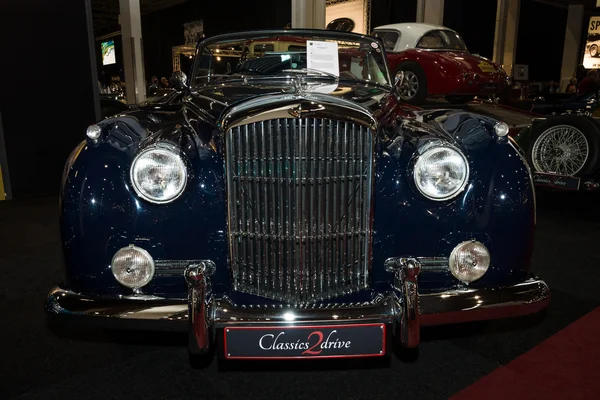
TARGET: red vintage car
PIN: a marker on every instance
(436, 63)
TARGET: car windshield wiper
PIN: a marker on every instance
(309, 70)
(337, 78)
(368, 82)
(323, 74)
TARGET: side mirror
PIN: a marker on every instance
(179, 81)
(398, 82)
(399, 79)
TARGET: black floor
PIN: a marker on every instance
(38, 361)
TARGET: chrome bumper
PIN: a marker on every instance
(403, 308)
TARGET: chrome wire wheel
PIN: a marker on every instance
(561, 150)
(594, 51)
(409, 86)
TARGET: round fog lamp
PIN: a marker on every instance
(132, 267)
(469, 261)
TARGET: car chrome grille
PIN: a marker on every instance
(299, 200)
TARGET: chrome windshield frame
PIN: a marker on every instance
(309, 33)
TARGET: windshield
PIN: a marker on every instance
(330, 56)
(442, 40)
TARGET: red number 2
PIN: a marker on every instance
(310, 350)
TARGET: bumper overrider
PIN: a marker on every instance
(307, 331)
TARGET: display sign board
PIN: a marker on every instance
(591, 57)
(193, 32)
(108, 52)
(322, 56)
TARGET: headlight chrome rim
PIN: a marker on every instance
(160, 149)
(435, 147)
(146, 255)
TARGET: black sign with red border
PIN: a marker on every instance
(293, 342)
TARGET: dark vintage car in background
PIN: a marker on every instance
(292, 208)
(564, 150)
(555, 103)
(435, 62)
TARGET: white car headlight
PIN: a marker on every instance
(158, 175)
(441, 172)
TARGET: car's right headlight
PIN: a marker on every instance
(158, 175)
(441, 172)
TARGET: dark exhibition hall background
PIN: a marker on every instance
(52, 75)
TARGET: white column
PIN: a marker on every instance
(572, 42)
(133, 55)
(507, 32)
(430, 11)
(308, 14)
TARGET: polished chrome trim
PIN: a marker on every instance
(312, 105)
(119, 312)
(381, 309)
(434, 263)
(406, 272)
(277, 184)
(448, 307)
(201, 332)
(465, 305)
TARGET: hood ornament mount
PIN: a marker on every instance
(299, 84)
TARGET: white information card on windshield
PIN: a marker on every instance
(323, 56)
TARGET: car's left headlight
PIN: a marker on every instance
(159, 175)
(441, 172)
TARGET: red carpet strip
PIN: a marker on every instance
(565, 366)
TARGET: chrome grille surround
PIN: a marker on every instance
(288, 239)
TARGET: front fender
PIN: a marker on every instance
(101, 213)
(497, 206)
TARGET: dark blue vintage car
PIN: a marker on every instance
(290, 207)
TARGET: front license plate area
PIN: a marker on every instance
(556, 181)
(293, 342)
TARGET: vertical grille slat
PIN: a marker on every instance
(299, 198)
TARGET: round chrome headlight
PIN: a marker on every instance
(132, 267)
(158, 175)
(441, 173)
(469, 261)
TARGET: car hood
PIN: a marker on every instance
(215, 98)
(470, 62)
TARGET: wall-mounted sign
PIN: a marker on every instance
(341, 24)
(591, 57)
(193, 32)
(108, 52)
(348, 16)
